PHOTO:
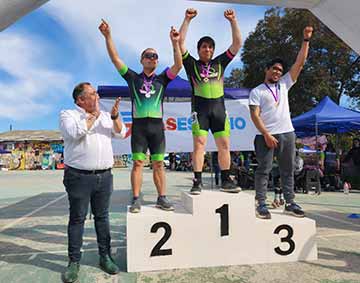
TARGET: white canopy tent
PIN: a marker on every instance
(340, 16)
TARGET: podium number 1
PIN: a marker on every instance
(224, 219)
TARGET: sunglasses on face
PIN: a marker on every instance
(150, 56)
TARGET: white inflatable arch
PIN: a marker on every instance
(342, 17)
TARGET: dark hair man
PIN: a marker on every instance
(269, 108)
(208, 108)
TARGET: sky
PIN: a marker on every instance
(46, 53)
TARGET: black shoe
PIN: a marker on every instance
(262, 212)
(71, 274)
(108, 265)
(294, 209)
(164, 204)
(135, 206)
(196, 188)
(229, 186)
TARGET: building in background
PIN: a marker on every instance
(30, 150)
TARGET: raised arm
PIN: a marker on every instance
(235, 30)
(270, 141)
(189, 15)
(175, 37)
(117, 124)
(302, 55)
(110, 46)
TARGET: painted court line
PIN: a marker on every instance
(329, 204)
(21, 219)
(335, 219)
(339, 235)
(34, 254)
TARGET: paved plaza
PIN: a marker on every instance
(33, 240)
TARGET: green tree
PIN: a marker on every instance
(332, 68)
(236, 79)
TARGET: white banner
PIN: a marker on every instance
(177, 121)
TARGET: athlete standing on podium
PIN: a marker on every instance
(269, 109)
(147, 94)
(208, 108)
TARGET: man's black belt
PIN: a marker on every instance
(88, 172)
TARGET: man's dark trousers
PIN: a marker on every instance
(84, 187)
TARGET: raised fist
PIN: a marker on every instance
(174, 35)
(190, 13)
(308, 32)
(104, 28)
(229, 14)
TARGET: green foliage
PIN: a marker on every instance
(236, 79)
(332, 68)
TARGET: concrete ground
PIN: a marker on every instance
(33, 221)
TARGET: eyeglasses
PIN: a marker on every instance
(277, 69)
(150, 56)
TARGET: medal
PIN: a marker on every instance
(276, 94)
(148, 88)
(205, 71)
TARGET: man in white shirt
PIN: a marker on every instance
(269, 108)
(88, 154)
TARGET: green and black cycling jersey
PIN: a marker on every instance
(207, 80)
(147, 93)
(207, 103)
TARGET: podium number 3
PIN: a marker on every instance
(287, 239)
(157, 251)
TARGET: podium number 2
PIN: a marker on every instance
(157, 251)
(287, 239)
(224, 219)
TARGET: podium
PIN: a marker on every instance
(215, 229)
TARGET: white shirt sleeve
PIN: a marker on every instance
(254, 98)
(287, 81)
(120, 135)
(71, 127)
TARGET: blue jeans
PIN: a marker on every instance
(285, 154)
(83, 189)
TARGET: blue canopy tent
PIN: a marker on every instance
(326, 117)
(177, 88)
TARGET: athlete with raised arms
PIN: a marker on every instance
(147, 94)
(206, 77)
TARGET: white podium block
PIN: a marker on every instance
(215, 229)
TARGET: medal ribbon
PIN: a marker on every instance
(205, 71)
(148, 83)
(276, 94)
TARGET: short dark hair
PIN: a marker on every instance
(206, 39)
(275, 61)
(78, 90)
